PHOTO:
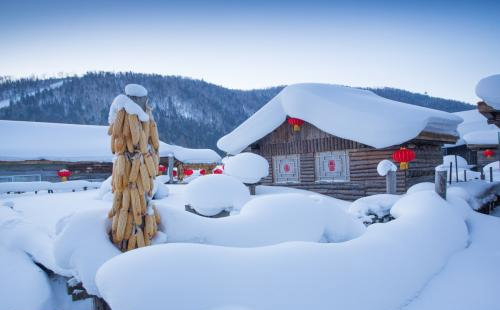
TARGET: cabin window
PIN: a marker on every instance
(286, 168)
(332, 167)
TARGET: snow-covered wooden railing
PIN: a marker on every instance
(24, 187)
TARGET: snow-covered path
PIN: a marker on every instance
(471, 279)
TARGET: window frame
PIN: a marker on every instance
(286, 180)
(322, 177)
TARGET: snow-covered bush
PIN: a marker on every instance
(249, 168)
(385, 166)
(265, 220)
(295, 275)
(375, 208)
(211, 194)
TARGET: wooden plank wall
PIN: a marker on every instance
(363, 160)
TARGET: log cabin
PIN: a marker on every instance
(329, 139)
(36, 151)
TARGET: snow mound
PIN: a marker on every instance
(488, 89)
(495, 167)
(482, 137)
(211, 194)
(332, 109)
(124, 102)
(385, 166)
(190, 156)
(419, 187)
(82, 245)
(135, 90)
(265, 220)
(370, 208)
(295, 275)
(475, 126)
(249, 168)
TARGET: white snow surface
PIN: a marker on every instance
(488, 89)
(333, 109)
(363, 273)
(135, 90)
(6, 187)
(249, 168)
(69, 142)
(475, 129)
(384, 166)
(124, 102)
(211, 194)
(495, 169)
(265, 220)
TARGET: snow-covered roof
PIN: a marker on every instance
(488, 89)
(22, 140)
(349, 113)
(475, 129)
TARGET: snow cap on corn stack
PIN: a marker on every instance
(135, 90)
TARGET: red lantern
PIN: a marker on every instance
(296, 123)
(203, 172)
(488, 153)
(188, 172)
(218, 171)
(64, 174)
(174, 173)
(161, 169)
(331, 165)
(403, 156)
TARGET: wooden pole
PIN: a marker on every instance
(491, 174)
(170, 169)
(390, 182)
(456, 168)
(451, 170)
(465, 175)
(440, 183)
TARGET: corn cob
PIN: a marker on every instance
(114, 224)
(150, 166)
(112, 143)
(147, 241)
(132, 242)
(127, 198)
(118, 123)
(143, 143)
(140, 238)
(145, 128)
(157, 215)
(153, 132)
(110, 129)
(143, 202)
(130, 145)
(136, 205)
(144, 177)
(122, 223)
(135, 128)
(140, 187)
(149, 226)
(120, 165)
(126, 127)
(129, 226)
(120, 145)
(134, 171)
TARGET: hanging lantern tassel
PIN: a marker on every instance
(296, 123)
(403, 156)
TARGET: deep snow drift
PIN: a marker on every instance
(295, 275)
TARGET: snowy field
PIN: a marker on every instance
(280, 249)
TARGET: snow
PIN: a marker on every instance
(463, 169)
(355, 274)
(136, 90)
(159, 189)
(265, 220)
(369, 208)
(82, 245)
(488, 89)
(385, 166)
(190, 156)
(54, 141)
(211, 194)
(124, 102)
(495, 169)
(16, 187)
(473, 128)
(333, 108)
(249, 168)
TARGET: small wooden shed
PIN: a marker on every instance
(344, 133)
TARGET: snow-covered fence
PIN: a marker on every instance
(23, 187)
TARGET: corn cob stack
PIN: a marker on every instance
(135, 144)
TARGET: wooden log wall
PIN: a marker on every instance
(363, 161)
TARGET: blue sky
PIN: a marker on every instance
(439, 47)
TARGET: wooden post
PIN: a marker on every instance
(170, 169)
(491, 174)
(440, 183)
(456, 168)
(390, 182)
(465, 175)
(451, 171)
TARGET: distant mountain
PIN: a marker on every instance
(190, 113)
